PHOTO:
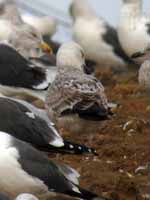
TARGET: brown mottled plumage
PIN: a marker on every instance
(75, 96)
(73, 87)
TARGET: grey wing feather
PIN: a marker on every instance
(70, 173)
(39, 112)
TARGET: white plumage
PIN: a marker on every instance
(98, 39)
(18, 181)
(26, 196)
(134, 27)
(45, 25)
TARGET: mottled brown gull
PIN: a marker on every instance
(75, 97)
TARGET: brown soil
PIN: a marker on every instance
(123, 144)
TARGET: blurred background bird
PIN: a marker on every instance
(98, 39)
(134, 26)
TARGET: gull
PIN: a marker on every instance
(98, 39)
(30, 124)
(134, 27)
(47, 26)
(19, 75)
(23, 169)
(74, 96)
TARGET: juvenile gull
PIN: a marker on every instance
(75, 95)
(98, 39)
(23, 169)
(134, 27)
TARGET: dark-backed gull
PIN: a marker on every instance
(27, 123)
(23, 169)
(98, 39)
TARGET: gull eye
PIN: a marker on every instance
(34, 35)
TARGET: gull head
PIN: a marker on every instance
(28, 41)
(45, 25)
(80, 8)
(70, 55)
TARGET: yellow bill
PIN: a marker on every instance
(46, 48)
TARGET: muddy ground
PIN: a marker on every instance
(122, 169)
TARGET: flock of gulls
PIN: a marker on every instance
(65, 81)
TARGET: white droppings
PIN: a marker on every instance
(31, 115)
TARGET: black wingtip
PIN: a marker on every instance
(79, 149)
(68, 148)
